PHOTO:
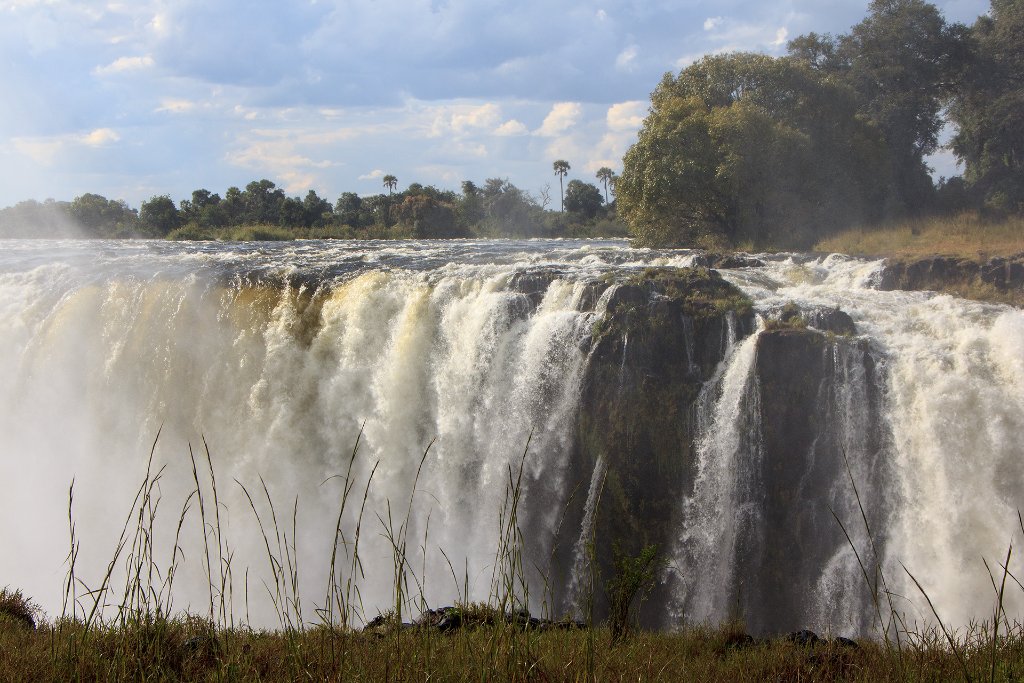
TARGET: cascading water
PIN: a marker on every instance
(281, 356)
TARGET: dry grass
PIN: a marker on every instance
(966, 235)
(139, 638)
(190, 649)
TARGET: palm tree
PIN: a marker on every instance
(605, 174)
(561, 170)
(390, 182)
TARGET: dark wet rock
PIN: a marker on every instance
(733, 261)
(739, 641)
(840, 641)
(832, 320)
(533, 284)
(664, 332)
(802, 378)
(443, 619)
(949, 273)
(804, 638)
(823, 318)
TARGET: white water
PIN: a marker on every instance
(420, 343)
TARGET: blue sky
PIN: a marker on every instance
(143, 97)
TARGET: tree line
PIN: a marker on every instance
(495, 208)
(755, 151)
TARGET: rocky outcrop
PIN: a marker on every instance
(1000, 279)
(808, 382)
(662, 336)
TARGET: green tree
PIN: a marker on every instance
(427, 217)
(159, 215)
(899, 60)
(348, 210)
(262, 202)
(988, 108)
(583, 199)
(561, 167)
(316, 211)
(102, 217)
(748, 149)
(390, 182)
(605, 175)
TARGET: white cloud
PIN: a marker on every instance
(99, 137)
(44, 150)
(780, 37)
(372, 175)
(176, 106)
(626, 116)
(626, 60)
(563, 116)
(511, 127)
(465, 119)
(123, 64)
(711, 23)
(602, 15)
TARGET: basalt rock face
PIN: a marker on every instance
(817, 393)
(662, 336)
(947, 273)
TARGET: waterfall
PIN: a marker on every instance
(457, 355)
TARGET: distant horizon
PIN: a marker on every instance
(163, 98)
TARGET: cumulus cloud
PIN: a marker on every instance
(372, 175)
(45, 150)
(511, 127)
(562, 117)
(100, 137)
(626, 116)
(464, 119)
(626, 60)
(123, 64)
(711, 23)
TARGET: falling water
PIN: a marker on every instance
(281, 356)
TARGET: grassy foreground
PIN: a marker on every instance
(191, 649)
(966, 235)
(125, 629)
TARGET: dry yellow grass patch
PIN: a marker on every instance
(966, 235)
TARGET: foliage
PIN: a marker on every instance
(988, 108)
(898, 60)
(158, 216)
(748, 148)
(633, 580)
(583, 200)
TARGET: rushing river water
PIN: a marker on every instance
(281, 355)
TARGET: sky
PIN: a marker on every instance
(150, 97)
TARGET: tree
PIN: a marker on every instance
(561, 167)
(316, 211)
(103, 217)
(348, 210)
(390, 182)
(158, 215)
(988, 109)
(899, 60)
(427, 217)
(583, 199)
(262, 202)
(605, 174)
(746, 148)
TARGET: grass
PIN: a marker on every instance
(966, 235)
(126, 628)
